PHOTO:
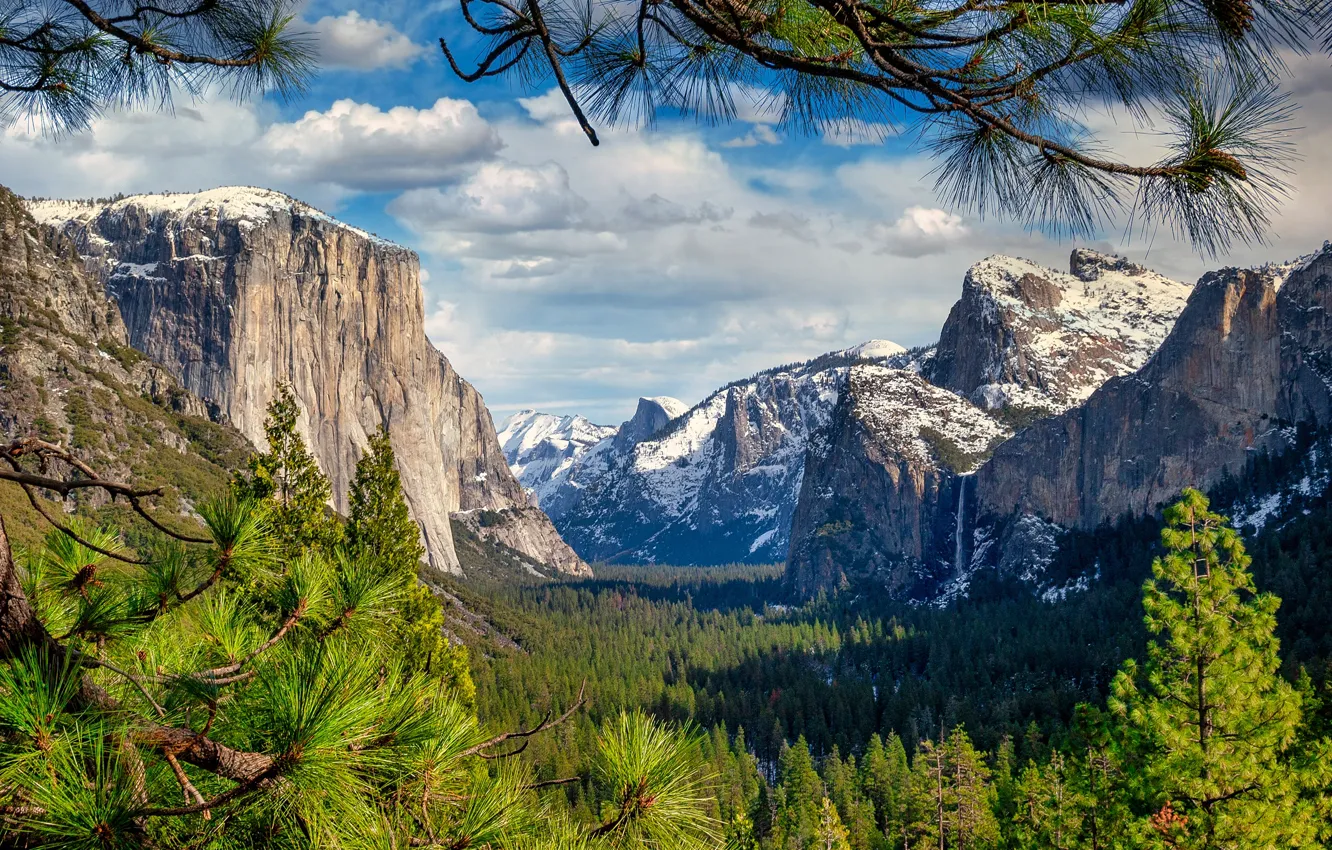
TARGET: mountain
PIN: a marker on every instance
(1246, 369)
(69, 375)
(714, 484)
(1239, 373)
(236, 289)
(542, 448)
(1026, 338)
(885, 497)
(883, 484)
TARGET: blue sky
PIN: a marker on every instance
(665, 262)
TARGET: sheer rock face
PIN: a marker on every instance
(888, 492)
(884, 483)
(1247, 359)
(1029, 337)
(68, 375)
(235, 290)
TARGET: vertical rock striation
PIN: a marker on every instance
(1247, 359)
(237, 289)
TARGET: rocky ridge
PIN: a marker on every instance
(1241, 372)
(715, 483)
(68, 375)
(236, 289)
(1022, 343)
(1025, 337)
(1247, 366)
(884, 483)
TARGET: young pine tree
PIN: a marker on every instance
(288, 478)
(830, 833)
(380, 530)
(1208, 710)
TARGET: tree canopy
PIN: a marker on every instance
(63, 62)
(1000, 92)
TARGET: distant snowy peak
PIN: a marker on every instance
(526, 432)
(542, 449)
(874, 349)
(247, 206)
(1027, 336)
(653, 414)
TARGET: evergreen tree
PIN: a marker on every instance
(1049, 811)
(830, 834)
(799, 791)
(1208, 710)
(287, 477)
(952, 798)
(885, 776)
(148, 700)
(380, 530)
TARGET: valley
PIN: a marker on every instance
(828, 568)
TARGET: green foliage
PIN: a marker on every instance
(995, 92)
(1208, 709)
(64, 65)
(380, 531)
(288, 476)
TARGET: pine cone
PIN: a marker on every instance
(1235, 17)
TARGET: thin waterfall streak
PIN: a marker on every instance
(960, 550)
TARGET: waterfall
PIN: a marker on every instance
(960, 551)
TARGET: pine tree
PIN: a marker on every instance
(287, 477)
(953, 801)
(799, 791)
(1208, 709)
(886, 779)
(972, 824)
(830, 834)
(380, 530)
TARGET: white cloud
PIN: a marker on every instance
(499, 197)
(659, 263)
(363, 44)
(358, 146)
(919, 232)
(759, 134)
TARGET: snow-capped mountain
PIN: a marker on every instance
(717, 483)
(541, 448)
(1029, 337)
(885, 482)
(1151, 399)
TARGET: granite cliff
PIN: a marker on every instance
(68, 375)
(890, 487)
(234, 290)
(1247, 361)
(1115, 406)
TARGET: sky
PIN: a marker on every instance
(669, 261)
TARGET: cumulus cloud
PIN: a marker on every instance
(359, 146)
(499, 197)
(578, 278)
(919, 232)
(363, 44)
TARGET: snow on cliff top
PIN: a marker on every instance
(673, 407)
(231, 203)
(1108, 318)
(921, 422)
